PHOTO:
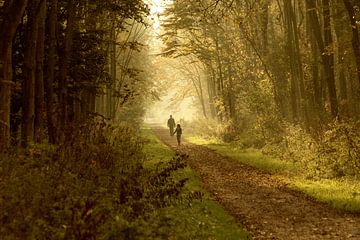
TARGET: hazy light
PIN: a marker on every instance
(166, 76)
(156, 9)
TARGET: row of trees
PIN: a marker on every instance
(293, 60)
(63, 60)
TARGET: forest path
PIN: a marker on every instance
(262, 203)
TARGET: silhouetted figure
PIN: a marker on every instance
(178, 132)
(171, 125)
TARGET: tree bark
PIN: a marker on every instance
(294, 81)
(11, 19)
(111, 100)
(28, 88)
(355, 35)
(324, 45)
(64, 64)
(264, 20)
(50, 71)
(211, 90)
(231, 95)
(39, 85)
(329, 59)
(202, 101)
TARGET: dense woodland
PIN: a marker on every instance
(59, 64)
(73, 83)
(279, 75)
(76, 78)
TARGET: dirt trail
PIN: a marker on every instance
(261, 202)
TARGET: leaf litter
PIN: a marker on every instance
(262, 203)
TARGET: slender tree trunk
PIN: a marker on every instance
(323, 45)
(231, 95)
(40, 91)
(315, 75)
(264, 20)
(50, 71)
(355, 35)
(111, 99)
(340, 34)
(220, 86)
(211, 90)
(11, 19)
(295, 94)
(317, 81)
(28, 88)
(220, 80)
(329, 59)
(202, 101)
(196, 81)
(64, 64)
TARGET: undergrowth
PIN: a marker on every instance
(91, 186)
(106, 182)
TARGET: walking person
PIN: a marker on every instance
(171, 125)
(178, 132)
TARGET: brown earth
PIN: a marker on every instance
(261, 203)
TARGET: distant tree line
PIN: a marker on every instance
(59, 64)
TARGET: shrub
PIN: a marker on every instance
(339, 151)
(334, 153)
(91, 186)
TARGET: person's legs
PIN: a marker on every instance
(171, 130)
(178, 139)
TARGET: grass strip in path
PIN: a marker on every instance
(203, 219)
(343, 194)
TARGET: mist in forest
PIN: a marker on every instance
(173, 98)
(254, 72)
(273, 83)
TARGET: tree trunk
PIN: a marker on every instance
(231, 95)
(294, 84)
(202, 101)
(39, 86)
(355, 35)
(341, 34)
(264, 21)
(64, 64)
(326, 55)
(211, 90)
(11, 19)
(315, 76)
(329, 59)
(111, 99)
(50, 71)
(28, 87)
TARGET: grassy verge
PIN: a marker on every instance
(250, 156)
(202, 219)
(342, 194)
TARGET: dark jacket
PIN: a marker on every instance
(171, 122)
(178, 131)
